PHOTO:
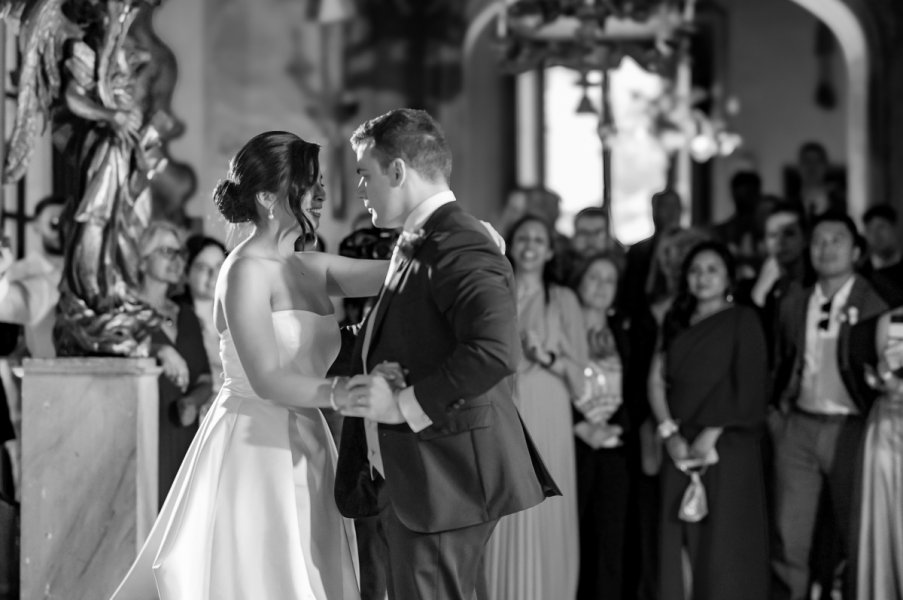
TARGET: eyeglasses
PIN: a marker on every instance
(824, 322)
(170, 253)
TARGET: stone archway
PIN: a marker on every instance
(841, 20)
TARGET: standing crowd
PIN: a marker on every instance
(722, 408)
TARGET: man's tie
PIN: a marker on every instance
(370, 427)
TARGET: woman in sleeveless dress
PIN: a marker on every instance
(534, 554)
(251, 513)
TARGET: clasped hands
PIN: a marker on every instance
(375, 396)
(701, 451)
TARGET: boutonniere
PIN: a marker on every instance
(850, 315)
(409, 242)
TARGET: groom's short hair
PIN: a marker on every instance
(411, 135)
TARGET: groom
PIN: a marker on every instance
(442, 459)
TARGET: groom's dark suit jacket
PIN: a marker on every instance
(449, 317)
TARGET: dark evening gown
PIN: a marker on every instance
(716, 372)
(175, 438)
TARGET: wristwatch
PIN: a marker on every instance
(667, 428)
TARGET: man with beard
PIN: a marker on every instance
(28, 287)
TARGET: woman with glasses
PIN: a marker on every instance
(177, 344)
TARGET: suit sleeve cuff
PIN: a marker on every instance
(410, 409)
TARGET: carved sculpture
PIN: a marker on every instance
(85, 72)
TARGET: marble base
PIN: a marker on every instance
(89, 473)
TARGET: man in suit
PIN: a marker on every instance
(883, 266)
(441, 460)
(824, 344)
(666, 212)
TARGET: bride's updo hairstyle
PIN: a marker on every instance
(277, 162)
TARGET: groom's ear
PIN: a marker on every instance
(397, 172)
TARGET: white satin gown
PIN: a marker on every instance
(251, 514)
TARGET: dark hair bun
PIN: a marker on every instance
(231, 204)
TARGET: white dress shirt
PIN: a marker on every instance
(822, 390)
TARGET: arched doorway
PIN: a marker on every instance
(850, 35)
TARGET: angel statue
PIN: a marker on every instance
(82, 70)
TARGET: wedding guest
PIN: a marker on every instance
(823, 399)
(666, 213)
(204, 258)
(816, 190)
(534, 554)
(28, 287)
(880, 555)
(646, 319)
(741, 232)
(592, 234)
(178, 345)
(603, 471)
(786, 265)
(711, 419)
(884, 264)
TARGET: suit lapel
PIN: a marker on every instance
(856, 300)
(388, 294)
(383, 305)
(802, 323)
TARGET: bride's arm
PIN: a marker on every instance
(246, 305)
(353, 277)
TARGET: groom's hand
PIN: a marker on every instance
(373, 399)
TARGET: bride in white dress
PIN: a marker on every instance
(251, 514)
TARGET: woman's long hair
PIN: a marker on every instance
(678, 317)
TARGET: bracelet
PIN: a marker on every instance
(552, 358)
(667, 428)
(335, 382)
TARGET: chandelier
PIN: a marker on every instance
(593, 35)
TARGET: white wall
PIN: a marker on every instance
(772, 69)
(181, 25)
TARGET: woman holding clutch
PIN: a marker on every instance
(713, 509)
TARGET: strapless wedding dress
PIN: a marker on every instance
(251, 514)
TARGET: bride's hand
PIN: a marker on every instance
(372, 398)
(393, 373)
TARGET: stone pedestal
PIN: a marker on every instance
(89, 473)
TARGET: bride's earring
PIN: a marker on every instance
(270, 213)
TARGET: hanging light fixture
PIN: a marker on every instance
(592, 34)
(586, 106)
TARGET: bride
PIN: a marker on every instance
(251, 513)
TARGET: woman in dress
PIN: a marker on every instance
(603, 477)
(534, 554)
(251, 513)
(712, 421)
(205, 257)
(178, 345)
(880, 562)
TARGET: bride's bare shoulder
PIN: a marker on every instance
(244, 269)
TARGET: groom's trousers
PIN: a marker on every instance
(432, 566)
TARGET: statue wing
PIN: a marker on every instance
(43, 32)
